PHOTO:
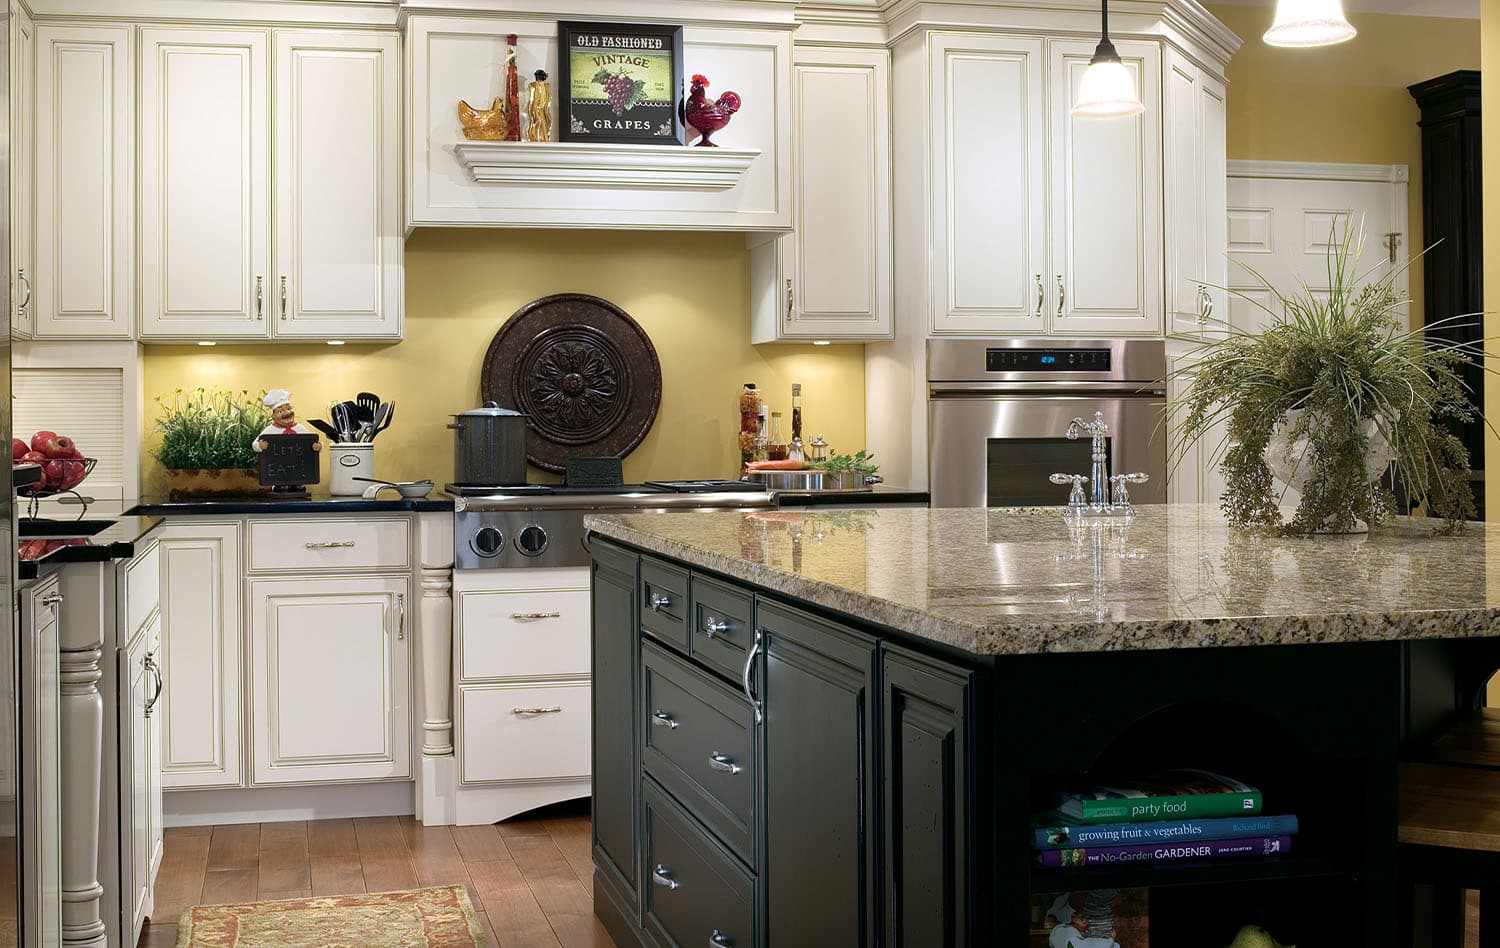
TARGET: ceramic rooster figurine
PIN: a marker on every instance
(708, 116)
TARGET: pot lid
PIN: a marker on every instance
(489, 410)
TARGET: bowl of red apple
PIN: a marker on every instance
(62, 464)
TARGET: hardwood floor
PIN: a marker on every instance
(531, 879)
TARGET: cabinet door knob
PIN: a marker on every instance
(52, 599)
(659, 601)
(724, 763)
(662, 876)
(714, 627)
(663, 719)
(720, 940)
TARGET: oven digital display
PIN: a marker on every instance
(1046, 360)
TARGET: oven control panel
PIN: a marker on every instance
(1046, 360)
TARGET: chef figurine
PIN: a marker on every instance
(283, 420)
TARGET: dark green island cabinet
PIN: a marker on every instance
(765, 775)
(832, 730)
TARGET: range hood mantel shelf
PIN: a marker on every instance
(589, 165)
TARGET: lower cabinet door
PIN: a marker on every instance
(820, 865)
(615, 652)
(136, 785)
(329, 676)
(523, 731)
(694, 893)
(926, 801)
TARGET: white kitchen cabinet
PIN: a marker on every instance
(337, 171)
(41, 767)
(1106, 220)
(1193, 474)
(831, 277)
(1197, 204)
(988, 180)
(140, 748)
(84, 280)
(205, 183)
(329, 679)
(22, 170)
(200, 712)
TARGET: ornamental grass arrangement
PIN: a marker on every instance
(209, 429)
(1331, 394)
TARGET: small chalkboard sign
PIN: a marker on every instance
(288, 461)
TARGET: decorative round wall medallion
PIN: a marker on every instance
(582, 371)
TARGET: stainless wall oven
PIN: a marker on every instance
(998, 413)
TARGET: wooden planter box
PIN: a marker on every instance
(222, 482)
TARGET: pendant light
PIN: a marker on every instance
(1309, 23)
(1107, 89)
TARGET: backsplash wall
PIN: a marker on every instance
(690, 292)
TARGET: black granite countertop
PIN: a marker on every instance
(879, 495)
(49, 542)
(386, 502)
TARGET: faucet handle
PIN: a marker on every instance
(1076, 497)
(1120, 496)
(1061, 479)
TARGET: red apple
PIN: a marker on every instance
(17, 448)
(40, 439)
(63, 473)
(58, 447)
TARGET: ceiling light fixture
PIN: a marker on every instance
(1304, 23)
(1107, 89)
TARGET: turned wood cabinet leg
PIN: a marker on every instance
(435, 625)
(81, 727)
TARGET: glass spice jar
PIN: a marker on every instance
(775, 447)
(750, 409)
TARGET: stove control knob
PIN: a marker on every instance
(532, 541)
(487, 542)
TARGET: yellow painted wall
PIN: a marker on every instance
(1344, 103)
(690, 292)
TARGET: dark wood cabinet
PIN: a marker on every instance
(819, 734)
(927, 787)
(1453, 228)
(616, 647)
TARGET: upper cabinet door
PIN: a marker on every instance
(841, 250)
(338, 186)
(205, 184)
(988, 184)
(1197, 199)
(85, 171)
(1106, 200)
(22, 171)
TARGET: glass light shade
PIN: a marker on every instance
(1107, 90)
(1309, 23)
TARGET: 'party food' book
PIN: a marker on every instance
(1164, 795)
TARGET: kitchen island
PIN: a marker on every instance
(836, 727)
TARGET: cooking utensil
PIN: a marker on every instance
(814, 481)
(340, 416)
(382, 419)
(409, 489)
(489, 446)
(368, 403)
(385, 420)
(324, 428)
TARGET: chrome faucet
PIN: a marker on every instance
(1110, 495)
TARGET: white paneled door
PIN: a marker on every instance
(338, 185)
(1106, 218)
(988, 180)
(205, 179)
(22, 170)
(83, 284)
(329, 676)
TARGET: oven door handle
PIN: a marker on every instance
(1001, 390)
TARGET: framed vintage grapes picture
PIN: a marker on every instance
(620, 82)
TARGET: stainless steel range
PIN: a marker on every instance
(540, 525)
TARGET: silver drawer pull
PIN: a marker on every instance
(52, 599)
(662, 876)
(331, 545)
(714, 627)
(659, 601)
(530, 616)
(553, 710)
(748, 671)
(663, 719)
(720, 940)
(724, 762)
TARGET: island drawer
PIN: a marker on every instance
(700, 744)
(720, 627)
(698, 894)
(345, 543)
(664, 602)
(523, 731)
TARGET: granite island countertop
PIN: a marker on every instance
(1013, 581)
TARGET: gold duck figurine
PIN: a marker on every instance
(483, 125)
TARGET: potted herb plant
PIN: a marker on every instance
(1329, 395)
(206, 441)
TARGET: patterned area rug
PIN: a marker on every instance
(439, 917)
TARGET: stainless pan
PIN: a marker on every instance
(814, 481)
